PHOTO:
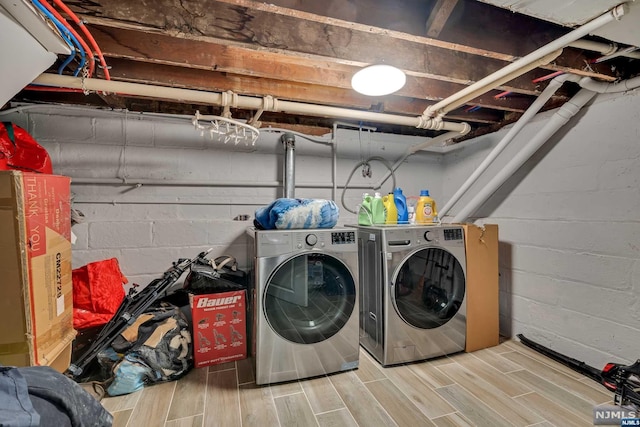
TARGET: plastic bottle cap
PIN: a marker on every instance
(424, 193)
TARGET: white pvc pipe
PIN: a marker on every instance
(603, 48)
(559, 119)
(614, 14)
(248, 102)
(435, 140)
(139, 182)
(461, 100)
(548, 92)
(613, 87)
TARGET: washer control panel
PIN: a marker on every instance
(452, 233)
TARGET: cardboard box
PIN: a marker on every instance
(481, 245)
(219, 327)
(36, 301)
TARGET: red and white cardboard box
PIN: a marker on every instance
(219, 327)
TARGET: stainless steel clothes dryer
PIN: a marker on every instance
(412, 292)
(304, 303)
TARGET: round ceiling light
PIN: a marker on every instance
(378, 80)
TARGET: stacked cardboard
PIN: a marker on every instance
(36, 301)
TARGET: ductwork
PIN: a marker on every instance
(289, 144)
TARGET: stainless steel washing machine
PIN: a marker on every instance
(412, 292)
(304, 303)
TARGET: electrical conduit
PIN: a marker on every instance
(559, 119)
(548, 92)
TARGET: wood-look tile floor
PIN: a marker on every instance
(507, 385)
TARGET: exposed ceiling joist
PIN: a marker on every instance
(307, 51)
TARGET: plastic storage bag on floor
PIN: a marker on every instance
(156, 347)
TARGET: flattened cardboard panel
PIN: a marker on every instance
(482, 286)
(35, 258)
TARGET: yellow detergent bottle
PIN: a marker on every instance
(391, 212)
(425, 209)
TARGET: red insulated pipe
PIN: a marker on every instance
(86, 32)
(52, 89)
(75, 34)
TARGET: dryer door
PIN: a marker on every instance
(319, 298)
(428, 288)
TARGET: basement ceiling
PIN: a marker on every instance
(307, 50)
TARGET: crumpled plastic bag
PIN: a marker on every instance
(289, 214)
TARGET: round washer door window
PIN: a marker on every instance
(309, 298)
(429, 288)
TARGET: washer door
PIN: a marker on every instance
(309, 298)
(428, 288)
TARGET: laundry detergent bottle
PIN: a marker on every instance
(425, 209)
(391, 213)
(365, 214)
(378, 213)
(401, 206)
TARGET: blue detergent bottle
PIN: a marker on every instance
(401, 206)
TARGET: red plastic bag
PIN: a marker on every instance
(18, 150)
(97, 292)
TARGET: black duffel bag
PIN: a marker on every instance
(220, 275)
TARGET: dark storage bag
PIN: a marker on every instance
(220, 276)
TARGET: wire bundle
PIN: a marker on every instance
(85, 52)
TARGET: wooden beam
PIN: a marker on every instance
(163, 49)
(165, 75)
(439, 16)
(267, 28)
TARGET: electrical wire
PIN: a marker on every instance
(86, 32)
(67, 37)
(360, 163)
(46, 13)
(66, 24)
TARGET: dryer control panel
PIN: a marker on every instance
(279, 242)
(343, 237)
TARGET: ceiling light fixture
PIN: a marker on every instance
(378, 80)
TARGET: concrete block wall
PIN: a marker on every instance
(569, 231)
(147, 227)
(569, 248)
